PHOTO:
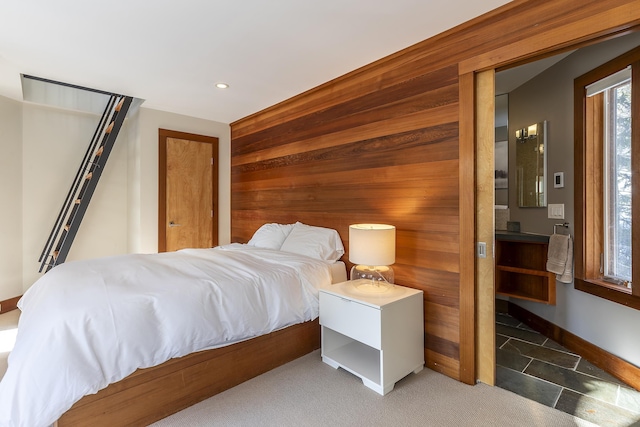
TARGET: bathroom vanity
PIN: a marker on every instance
(521, 260)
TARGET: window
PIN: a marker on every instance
(607, 153)
(617, 184)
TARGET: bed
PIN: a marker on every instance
(128, 340)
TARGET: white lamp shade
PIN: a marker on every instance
(372, 244)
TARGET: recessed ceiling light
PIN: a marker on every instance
(222, 85)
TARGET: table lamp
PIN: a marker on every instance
(372, 248)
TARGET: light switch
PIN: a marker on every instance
(556, 211)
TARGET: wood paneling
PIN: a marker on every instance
(442, 321)
(149, 395)
(439, 361)
(394, 142)
(9, 304)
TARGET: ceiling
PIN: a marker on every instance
(171, 54)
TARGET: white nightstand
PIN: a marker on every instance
(378, 337)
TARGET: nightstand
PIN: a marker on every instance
(377, 337)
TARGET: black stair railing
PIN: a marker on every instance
(66, 226)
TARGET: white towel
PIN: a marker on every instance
(560, 257)
(567, 274)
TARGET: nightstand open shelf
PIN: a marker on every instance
(352, 355)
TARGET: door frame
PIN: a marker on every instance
(473, 147)
(163, 134)
(476, 69)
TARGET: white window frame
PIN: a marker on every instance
(608, 85)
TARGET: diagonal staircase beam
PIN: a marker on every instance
(85, 183)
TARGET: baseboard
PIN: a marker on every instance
(619, 368)
(9, 305)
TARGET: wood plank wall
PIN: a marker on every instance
(383, 144)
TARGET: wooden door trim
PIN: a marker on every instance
(602, 26)
(163, 134)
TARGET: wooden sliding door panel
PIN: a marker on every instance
(440, 360)
(394, 142)
(448, 350)
(389, 157)
(417, 145)
(349, 177)
(442, 322)
(388, 127)
(424, 92)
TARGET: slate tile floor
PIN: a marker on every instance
(533, 366)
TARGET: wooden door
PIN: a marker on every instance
(187, 211)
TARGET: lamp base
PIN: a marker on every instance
(370, 287)
(380, 278)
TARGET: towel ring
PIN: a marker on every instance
(564, 225)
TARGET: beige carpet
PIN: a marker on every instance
(307, 392)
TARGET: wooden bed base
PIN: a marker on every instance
(151, 394)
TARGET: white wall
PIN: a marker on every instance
(11, 196)
(54, 142)
(144, 184)
(549, 96)
(42, 148)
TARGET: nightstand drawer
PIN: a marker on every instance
(350, 318)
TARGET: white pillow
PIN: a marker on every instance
(317, 242)
(270, 236)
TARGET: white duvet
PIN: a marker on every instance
(87, 324)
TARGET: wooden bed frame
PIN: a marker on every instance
(151, 394)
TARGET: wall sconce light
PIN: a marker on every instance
(524, 134)
(372, 247)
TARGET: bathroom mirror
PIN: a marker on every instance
(531, 165)
(501, 150)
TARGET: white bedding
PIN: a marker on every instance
(87, 324)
